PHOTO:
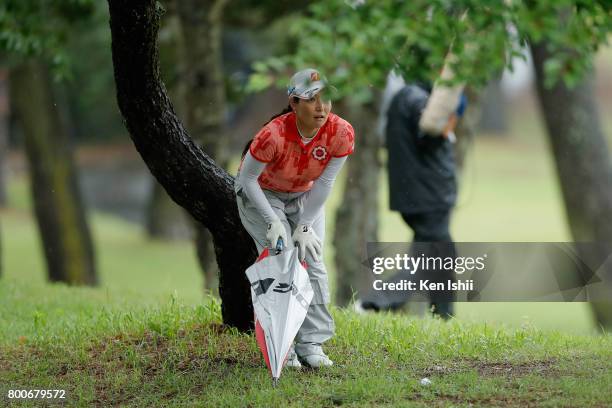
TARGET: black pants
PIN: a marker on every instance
(431, 239)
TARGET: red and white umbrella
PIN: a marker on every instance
(281, 293)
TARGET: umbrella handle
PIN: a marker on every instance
(279, 245)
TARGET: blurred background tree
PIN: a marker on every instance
(34, 34)
(165, 220)
(4, 132)
(201, 25)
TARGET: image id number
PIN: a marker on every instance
(36, 394)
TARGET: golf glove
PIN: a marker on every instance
(305, 238)
(276, 230)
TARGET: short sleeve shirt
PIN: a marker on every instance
(292, 166)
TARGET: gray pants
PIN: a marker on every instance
(318, 326)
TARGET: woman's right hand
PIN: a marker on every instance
(276, 230)
(306, 240)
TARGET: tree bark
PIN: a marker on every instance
(357, 215)
(190, 176)
(201, 26)
(4, 132)
(582, 162)
(58, 205)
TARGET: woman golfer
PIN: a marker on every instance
(286, 175)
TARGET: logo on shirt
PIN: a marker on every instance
(319, 153)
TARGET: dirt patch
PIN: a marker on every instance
(444, 400)
(515, 369)
(487, 368)
(115, 366)
(207, 351)
(199, 345)
(4, 364)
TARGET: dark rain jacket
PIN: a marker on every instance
(421, 167)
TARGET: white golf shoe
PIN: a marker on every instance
(292, 360)
(316, 361)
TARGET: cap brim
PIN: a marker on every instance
(316, 88)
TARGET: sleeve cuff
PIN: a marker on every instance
(342, 155)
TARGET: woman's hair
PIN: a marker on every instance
(286, 110)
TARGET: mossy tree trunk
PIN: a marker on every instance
(1, 253)
(357, 216)
(582, 162)
(4, 132)
(201, 27)
(58, 206)
(189, 175)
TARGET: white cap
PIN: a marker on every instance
(306, 83)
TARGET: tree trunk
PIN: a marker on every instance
(201, 26)
(4, 132)
(493, 118)
(58, 205)
(205, 251)
(465, 128)
(1, 258)
(166, 220)
(582, 161)
(357, 215)
(190, 176)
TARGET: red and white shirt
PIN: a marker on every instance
(292, 164)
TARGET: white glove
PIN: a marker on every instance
(306, 239)
(275, 231)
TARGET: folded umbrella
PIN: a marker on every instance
(281, 293)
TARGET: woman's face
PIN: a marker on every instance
(312, 113)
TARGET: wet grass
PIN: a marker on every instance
(180, 355)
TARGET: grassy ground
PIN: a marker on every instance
(103, 353)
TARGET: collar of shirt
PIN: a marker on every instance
(294, 134)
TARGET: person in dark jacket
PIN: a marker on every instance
(423, 188)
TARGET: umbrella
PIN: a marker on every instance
(281, 293)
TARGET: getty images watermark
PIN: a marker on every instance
(420, 262)
(476, 271)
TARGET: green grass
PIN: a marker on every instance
(127, 261)
(105, 353)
